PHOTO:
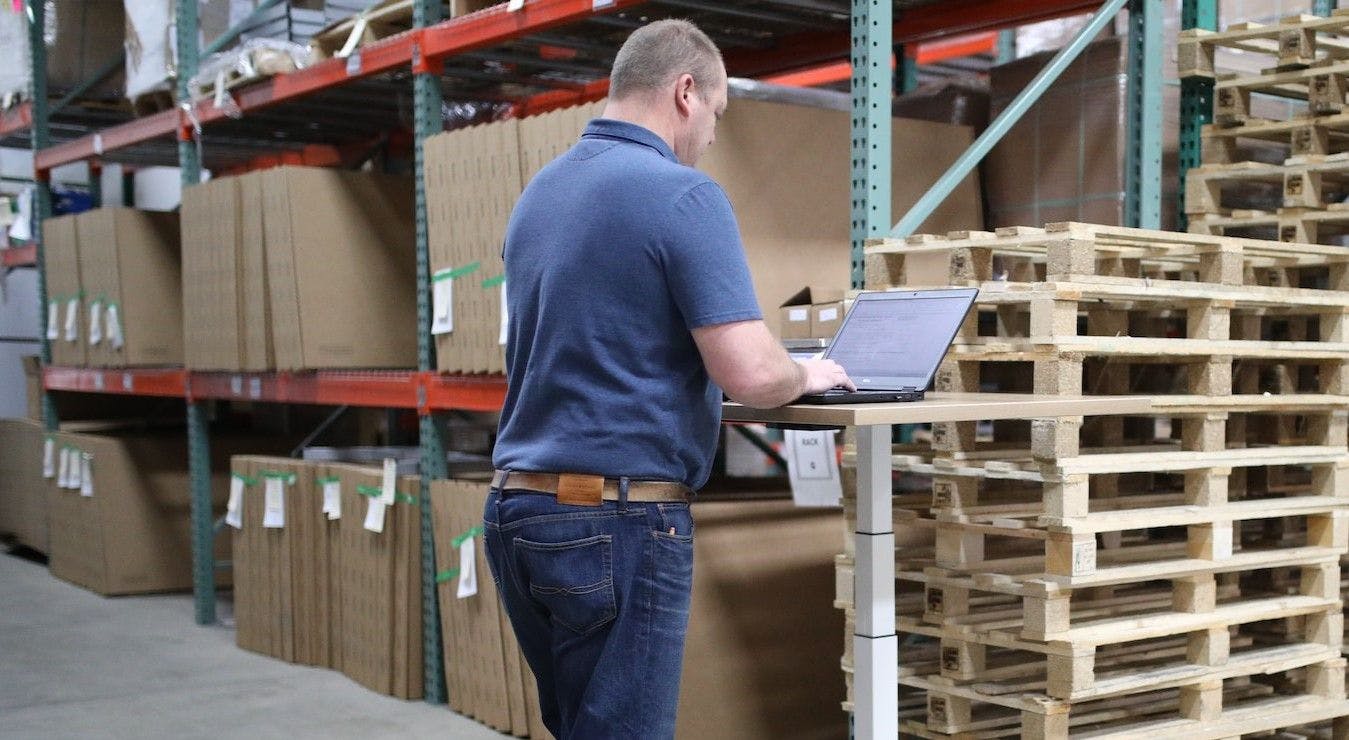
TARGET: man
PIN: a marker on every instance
(630, 311)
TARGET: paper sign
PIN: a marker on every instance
(234, 510)
(501, 340)
(468, 571)
(332, 499)
(812, 468)
(829, 314)
(95, 322)
(798, 314)
(274, 503)
(63, 472)
(53, 321)
(74, 479)
(86, 475)
(72, 320)
(442, 303)
(389, 486)
(374, 515)
(49, 458)
(114, 323)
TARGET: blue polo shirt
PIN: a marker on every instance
(614, 252)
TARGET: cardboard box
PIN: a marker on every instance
(825, 319)
(255, 320)
(32, 380)
(132, 532)
(796, 315)
(65, 294)
(341, 268)
(211, 259)
(762, 654)
(132, 265)
(23, 489)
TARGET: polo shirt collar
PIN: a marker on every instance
(612, 129)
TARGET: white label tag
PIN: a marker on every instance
(514, 5)
(468, 570)
(332, 499)
(74, 479)
(501, 339)
(236, 385)
(255, 387)
(95, 322)
(73, 320)
(49, 458)
(86, 475)
(812, 468)
(274, 503)
(53, 321)
(442, 304)
(354, 64)
(114, 322)
(63, 471)
(829, 314)
(374, 515)
(798, 314)
(388, 490)
(234, 510)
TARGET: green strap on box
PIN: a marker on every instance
(371, 491)
(445, 576)
(247, 480)
(493, 282)
(461, 539)
(327, 480)
(287, 478)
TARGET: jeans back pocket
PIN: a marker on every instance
(572, 580)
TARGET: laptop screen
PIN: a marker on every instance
(897, 340)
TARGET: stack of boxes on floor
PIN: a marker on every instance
(1273, 171)
(1154, 575)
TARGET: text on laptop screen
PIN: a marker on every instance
(897, 338)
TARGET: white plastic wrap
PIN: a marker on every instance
(255, 59)
(150, 44)
(15, 75)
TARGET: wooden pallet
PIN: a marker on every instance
(1305, 135)
(1290, 225)
(1295, 42)
(1314, 182)
(381, 21)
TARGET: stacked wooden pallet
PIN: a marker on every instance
(1296, 192)
(1129, 576)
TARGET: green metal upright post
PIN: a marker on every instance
(1324, 7)
(906, 71)
(1006, 45)
(1143, 151)
(872, 43)
(1196, 99)
(427, 121)
(42, 192)
(198, 432)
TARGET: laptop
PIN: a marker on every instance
(891, 343)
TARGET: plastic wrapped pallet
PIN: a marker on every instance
(15, 72)
(152, 42)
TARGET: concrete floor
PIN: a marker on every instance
(77, 665)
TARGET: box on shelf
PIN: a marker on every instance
(78, 46)
(131, 266)
(151, 39)
(23, 490)
(797, 315)
(67, 322)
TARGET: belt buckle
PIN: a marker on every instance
(580, 490)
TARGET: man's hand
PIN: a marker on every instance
(821, 375)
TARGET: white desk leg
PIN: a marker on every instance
(875, 646)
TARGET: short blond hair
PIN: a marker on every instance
(655, 54)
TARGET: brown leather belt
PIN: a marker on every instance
(638, 490)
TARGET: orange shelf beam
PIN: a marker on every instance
(169, 382)
(25, 256)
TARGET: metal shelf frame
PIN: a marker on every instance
(876, 29)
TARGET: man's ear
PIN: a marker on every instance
(684, 92)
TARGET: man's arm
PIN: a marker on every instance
(752, 368)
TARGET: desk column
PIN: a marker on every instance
(876, 647)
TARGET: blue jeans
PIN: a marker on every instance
(599, 600)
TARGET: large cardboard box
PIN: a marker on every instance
(485, 673)
(132, 267)
(23, 489)
(130, 531)
(341, 268)
(66, 317)
(255, 319)
(762, 655)
(211, 257)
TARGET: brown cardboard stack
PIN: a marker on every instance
(486, 677)
(299, 268)
(23, 490)
(66, 319)
(1065, 159)
(121, 523)
(813, 312)
(783, 166)
(324, 591)
(131, 272)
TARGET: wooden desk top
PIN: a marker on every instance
(943, 407)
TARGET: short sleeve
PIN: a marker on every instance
(704, 260)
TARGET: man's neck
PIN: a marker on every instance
(642, 113)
